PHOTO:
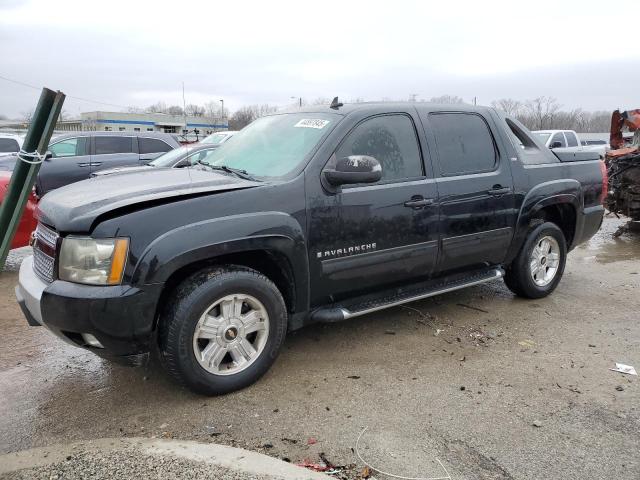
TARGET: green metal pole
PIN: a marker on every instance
(24, 174)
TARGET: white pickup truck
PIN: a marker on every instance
(567, 141)
(559, 138)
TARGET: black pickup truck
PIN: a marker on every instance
(315, 216)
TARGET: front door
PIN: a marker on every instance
(475, 187)
(70, 163)
(374, 235)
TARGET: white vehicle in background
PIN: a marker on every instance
(600, 146)
(219, 138)
(10, 143)
(559, 139)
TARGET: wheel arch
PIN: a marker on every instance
(271, 243)
(558, 201)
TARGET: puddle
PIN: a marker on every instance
(604, 248)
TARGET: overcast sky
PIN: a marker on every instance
(135, 53)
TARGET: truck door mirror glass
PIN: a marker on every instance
(354, 169)
(555, 144)
(48, 155)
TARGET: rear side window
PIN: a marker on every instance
(558, 137)
(70, 147)
(152, 145)
(107, 145)
(9, 145)
(572, 141)
(464, 142)
(390, 139)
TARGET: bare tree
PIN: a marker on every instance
(213, 109)
(27, 116)
(175, 110)
(508, 105)
(194, 110)
(159, 107)
(447, 99)
(541, 112)
(245, 115)
(133, 109)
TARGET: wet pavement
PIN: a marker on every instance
(489, 385)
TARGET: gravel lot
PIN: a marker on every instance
(488, 384)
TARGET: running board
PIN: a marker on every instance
(338, 313)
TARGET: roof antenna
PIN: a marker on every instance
(335, 104)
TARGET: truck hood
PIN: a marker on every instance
(75, 207)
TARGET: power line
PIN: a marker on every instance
(24, 84)
(82, 99)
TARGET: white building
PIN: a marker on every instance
(143, 122)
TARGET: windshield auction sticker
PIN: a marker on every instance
(311, 123)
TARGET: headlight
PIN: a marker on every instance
(93, 261)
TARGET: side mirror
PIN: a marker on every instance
(48, 155)
(556, 144)
(354, 169)
(182, 164)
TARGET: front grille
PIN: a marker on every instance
(44, 252)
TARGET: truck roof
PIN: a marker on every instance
(364, 106)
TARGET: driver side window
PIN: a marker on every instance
(559, 137)
(70, 147)
(390, 139)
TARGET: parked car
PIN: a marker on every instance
(74, 156)
(320, 215)
(27, 221)
(10, 143)
(219, 138)
(185, 156)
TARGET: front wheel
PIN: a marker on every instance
(539, 266)
(222, 330)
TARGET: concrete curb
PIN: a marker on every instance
(236, 459)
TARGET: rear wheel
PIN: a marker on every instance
(222, 329)
(539, 266)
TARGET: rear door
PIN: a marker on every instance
(475, 190)
(110, 151)
(70, 163)
(151, 148)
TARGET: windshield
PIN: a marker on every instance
(542, 135)
(171, 157)
(274, 146)
(215, 138)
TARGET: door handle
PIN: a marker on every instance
(96, 164)
(497, 191)
(418, 202)
(84, 164)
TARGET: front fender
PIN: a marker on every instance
(554, 192)
(275, 232)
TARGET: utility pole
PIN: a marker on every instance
(184, 111)
(27, 165)
(222, 108)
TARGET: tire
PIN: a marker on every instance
(519, 276)
(203, 313)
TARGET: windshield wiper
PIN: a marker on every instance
(235, 171)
